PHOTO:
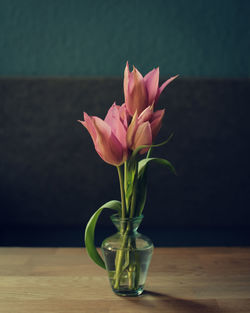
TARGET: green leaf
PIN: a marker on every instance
(142, 180)
(141, 190)
(90, 232)
(141, 193)
(141, 187)
(149, 153)
(138, 149)
(143, 163)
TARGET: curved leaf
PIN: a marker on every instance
(141, 189)
(141, 193)
(138, 149)
(142, 180)
(90, 232)
(143, 163)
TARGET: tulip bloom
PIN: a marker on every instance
(144, 128)
(109, 136)
(141, 92)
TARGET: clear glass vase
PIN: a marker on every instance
(127, 255)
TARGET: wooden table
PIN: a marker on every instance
(190, 280)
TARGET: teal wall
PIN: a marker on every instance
(196, 38)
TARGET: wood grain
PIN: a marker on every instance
(180, 280)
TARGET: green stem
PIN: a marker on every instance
(133, 268)
(120, 174)
(120, 257)
(133, 202)
(126, 186)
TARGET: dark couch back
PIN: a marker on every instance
(51, 174)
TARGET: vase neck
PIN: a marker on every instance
(128, 225)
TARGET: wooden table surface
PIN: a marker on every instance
(180, 280)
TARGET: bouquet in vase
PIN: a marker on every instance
(125, 139)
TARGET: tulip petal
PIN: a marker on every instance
(146, 114)
(106, 144)
(139, 92)
(164, 85)
(128, 84)
(152, 82)
(89, 125)
(126, 79)
(143, 136)
(135, 91)
(124, 115)
(112, 115)
(156, 122)
(132, 130)
(113, 119)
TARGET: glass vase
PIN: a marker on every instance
(127, 255)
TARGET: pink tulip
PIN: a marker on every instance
(143, 128)
(109, 136)
(141, 92)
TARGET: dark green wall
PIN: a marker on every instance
(95, 38)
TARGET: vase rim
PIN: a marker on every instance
(117, 217)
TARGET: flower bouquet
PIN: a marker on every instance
(125, 139)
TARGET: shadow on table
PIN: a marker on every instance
(153, 299)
